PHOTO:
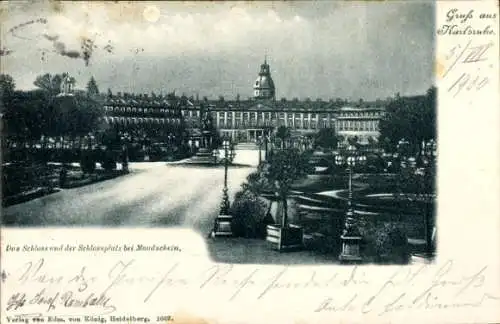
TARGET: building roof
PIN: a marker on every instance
(242, 105)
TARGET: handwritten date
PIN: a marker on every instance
(473, 58)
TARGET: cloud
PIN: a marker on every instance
(316, 49)
(51, 38)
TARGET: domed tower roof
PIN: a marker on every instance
(263, 87)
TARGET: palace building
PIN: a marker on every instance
(246, 120)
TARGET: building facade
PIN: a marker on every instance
(156, 118)
(247, 120)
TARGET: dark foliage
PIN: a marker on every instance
(386, 243)
(88, 162)
(411, 118)
(283, 134)
(249, 215)
(31, 114)
(49, 83)
(283, 168)
(326, 138)
(108, 161)
(92, 88)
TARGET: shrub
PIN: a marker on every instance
(249, 215)
(108, 163)
(387, 243)
(87, 162)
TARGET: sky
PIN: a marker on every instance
(323, 49)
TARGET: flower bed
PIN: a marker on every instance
(26, 181)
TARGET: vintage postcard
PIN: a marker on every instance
(250, 162)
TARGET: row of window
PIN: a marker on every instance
(275, 115)
(274, 123)
(138, 110)
(360, 114)
(289, 122)
(356, 125)
(191, 113)
(138, 120)
(272, 115)
(252, 116)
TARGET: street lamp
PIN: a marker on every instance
(215, 154)
(259, 141)
(403, 148)
(351, 236)
(232, 152)
(429, 153)
(91, 141)
(222, 225)
(125, 140)
(266, 145)
(424, 179)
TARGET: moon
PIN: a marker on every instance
(151, 13)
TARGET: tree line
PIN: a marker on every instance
(30, 114)
(410, 118)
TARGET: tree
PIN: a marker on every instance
(76, 115)
(27, 114)
(353, 140)
(7, 87)
(92, 88)
(417, 191)
(372, 142)
(412, 118)
(282, 169)
(256, 182)
(283, 133)
(49, 83)
(326, 138)
(7, 84)
(68, 115)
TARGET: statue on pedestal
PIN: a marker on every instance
(67, 85)
(207, 127)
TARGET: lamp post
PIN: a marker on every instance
(351, 236)
(125, 139)
(91, 141)
(259, 141)
(222, 225)
(403, 150)
(429, 153)
(266, 141)
(215, 154)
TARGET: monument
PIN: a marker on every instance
(207, 144)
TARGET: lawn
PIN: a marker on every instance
(324, 214)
